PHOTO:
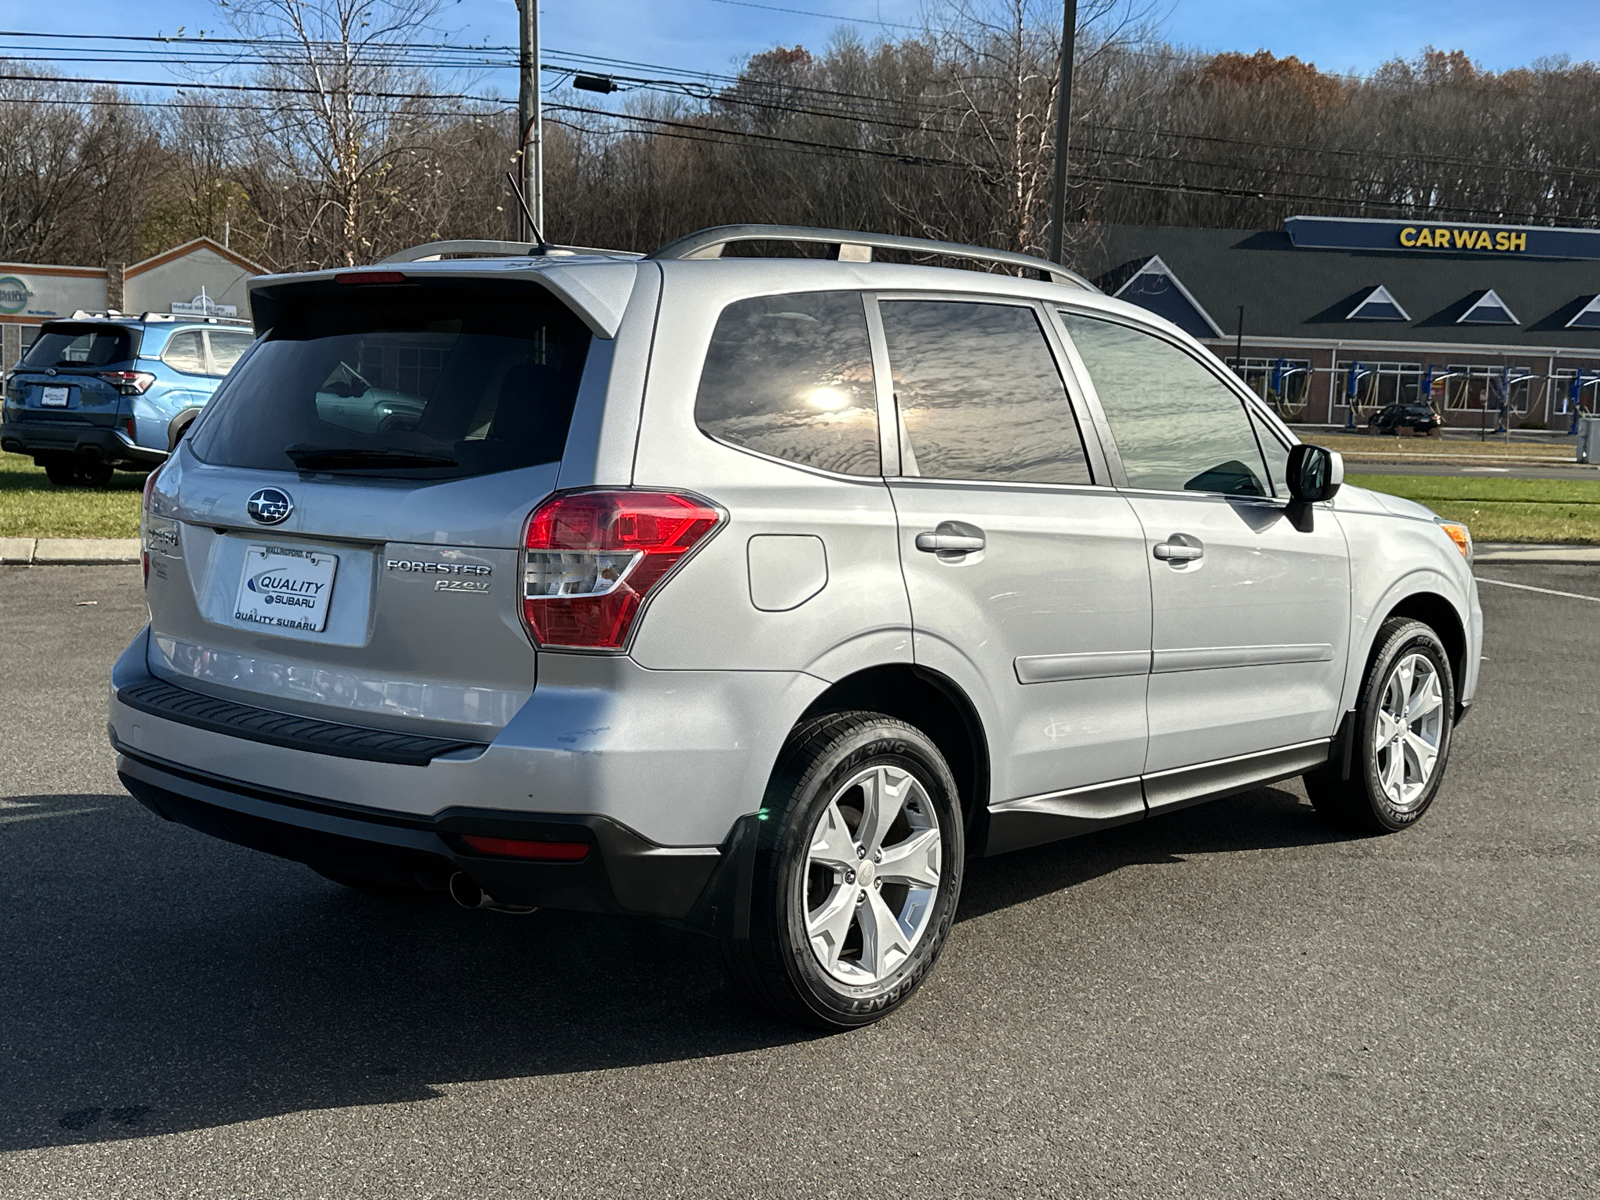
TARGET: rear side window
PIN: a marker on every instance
(979, 394)
(1178, 428)
(431, 380)
(185, 352)
(79, 346)
(791, 376)
(226, 347)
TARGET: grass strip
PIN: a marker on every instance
(1372, 444)
(1503, 510)
(32, 506)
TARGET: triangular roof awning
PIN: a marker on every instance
(189, 247)
(1488, 309)
(1156, 288)
(1588, 317)
(1378, 305)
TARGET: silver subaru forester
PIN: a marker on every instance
(754, 594)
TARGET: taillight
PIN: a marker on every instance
(592, 558)
(129, 383)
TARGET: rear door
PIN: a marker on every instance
(1251, 615)
(349, 508)
(1025, 570)
(60, 379)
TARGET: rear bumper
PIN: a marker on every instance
(621, 873)
(85, 441)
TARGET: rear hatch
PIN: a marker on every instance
(70, 375)
(339, 536)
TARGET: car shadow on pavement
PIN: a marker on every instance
(156, 980)
(1263, 819)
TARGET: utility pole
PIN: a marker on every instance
(530, 117)
(1058, 198)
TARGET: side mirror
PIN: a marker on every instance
(1315, 474)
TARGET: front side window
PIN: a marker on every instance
(185, 352)
(791, 376)
(1277, 454)
(979, 394)
(436, 380)
(1178, 428)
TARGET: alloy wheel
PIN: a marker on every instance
(872, 875)
(1408, 730)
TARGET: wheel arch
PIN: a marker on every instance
(179, 425)
(1437, 611)
(936, 705)
(1439, 615)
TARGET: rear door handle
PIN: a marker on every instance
(1180, 548)
(951, 537)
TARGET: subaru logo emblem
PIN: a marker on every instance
(270, 506)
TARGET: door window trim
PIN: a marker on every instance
(1233, 384)
(893, 432)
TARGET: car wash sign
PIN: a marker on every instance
(1436, 237)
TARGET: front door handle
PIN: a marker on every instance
(952, 538)
(1179, 549)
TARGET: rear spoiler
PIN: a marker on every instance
(597, 292)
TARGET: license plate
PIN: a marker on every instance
(286, 588)
(54, 397)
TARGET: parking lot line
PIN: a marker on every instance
(1528, 587)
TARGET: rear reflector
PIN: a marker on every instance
(360, 277)
(515, 848)
(592, 558)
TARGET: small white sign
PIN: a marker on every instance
(54, 397)
(203, 306)
(286, 588)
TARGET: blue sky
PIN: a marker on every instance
(711, 34)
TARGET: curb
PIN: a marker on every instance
(67, 552)
(1518, 552)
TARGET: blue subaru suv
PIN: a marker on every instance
(95, 393)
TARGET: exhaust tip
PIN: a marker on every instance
(466, 893)
(469, 895)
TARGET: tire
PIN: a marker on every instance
(1392, 780)
(69, 472)
(832, 944)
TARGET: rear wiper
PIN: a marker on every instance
(312, 458)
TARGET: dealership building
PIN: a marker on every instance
(198, 278)
(1330, 318)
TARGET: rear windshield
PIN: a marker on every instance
(79, 346)
(433, 380)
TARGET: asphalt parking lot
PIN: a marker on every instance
(1228, 1001)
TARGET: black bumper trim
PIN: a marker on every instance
(623, 872)
(162, 699)
(40, 438)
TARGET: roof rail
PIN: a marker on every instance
(478, 248)
(851, 246)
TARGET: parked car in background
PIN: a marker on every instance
(1419, 418)
(100, 392)
(755, 595)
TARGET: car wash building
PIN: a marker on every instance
(1331, 318)
(199, 278)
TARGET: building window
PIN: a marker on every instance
(1587, 317)
(1376, 384)
(1488, 309)
(1378, 305)
(1284, 383)
(1482, 387)
(1561, 391)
